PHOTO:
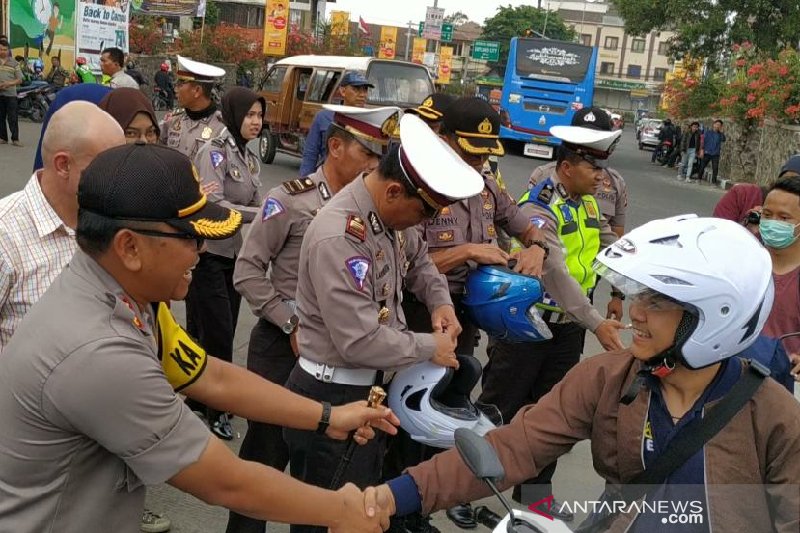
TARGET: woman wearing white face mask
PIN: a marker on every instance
(780, 220)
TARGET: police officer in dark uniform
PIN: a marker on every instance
(357, 254)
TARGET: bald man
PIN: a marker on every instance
(37, 224)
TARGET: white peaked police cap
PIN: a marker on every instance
(438, 173)
(372, 127)
(191, 70)
(590, 133)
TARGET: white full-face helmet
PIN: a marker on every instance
(714, 269)
(432, 401)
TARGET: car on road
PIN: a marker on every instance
(649, 128)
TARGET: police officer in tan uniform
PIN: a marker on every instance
(356, 256)
(266, 268)
(563, 206)
(212, 305)
(200, 120)
(612, 195)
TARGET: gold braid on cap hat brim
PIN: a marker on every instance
(465, 145)
(218, 229)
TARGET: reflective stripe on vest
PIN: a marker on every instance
(578, 228)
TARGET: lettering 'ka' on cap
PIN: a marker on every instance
(372, 127)
(476, 125)
(153, 183)
(191, 70)
(438, 173)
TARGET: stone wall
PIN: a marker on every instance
(753, 154)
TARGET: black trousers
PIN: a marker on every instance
(270, 356)
(315, 458)
(521, 373)
(212, 309)
(714, 159)
(8, 113)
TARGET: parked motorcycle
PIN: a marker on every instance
(663, 152)
(32, 102)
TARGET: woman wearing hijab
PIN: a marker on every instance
(134, 112)
(212, 305)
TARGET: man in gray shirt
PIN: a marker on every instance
(111, 63)
(10, 77)
(87, 403)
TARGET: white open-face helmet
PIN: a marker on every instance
(432, 401)
(715, 269)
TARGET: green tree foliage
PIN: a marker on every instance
(517, 21)
(707, 28)
(456, 19)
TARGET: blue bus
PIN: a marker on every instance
(546, 81)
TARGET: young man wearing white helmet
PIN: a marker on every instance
(694, 305)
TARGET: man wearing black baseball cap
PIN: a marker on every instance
(432, 109)
(90, 375)
(353, 90)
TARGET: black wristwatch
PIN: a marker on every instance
(325, 421)
(543, 246)
(290, 325)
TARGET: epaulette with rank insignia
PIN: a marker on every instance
(298, 186)
(356, 227)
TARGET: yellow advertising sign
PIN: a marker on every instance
(388, 42)
(445, 64)
(340, 23)
(276, 27)
(418, 51)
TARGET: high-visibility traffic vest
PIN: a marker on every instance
(578, 229)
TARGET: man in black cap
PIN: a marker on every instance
(88, 378)
(432, 109)
(564, 207)
(353, 90)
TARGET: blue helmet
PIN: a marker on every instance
(502, 303)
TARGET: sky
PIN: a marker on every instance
(399, 12)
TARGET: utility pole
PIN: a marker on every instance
(409, 33)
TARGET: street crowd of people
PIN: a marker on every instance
(358, 273)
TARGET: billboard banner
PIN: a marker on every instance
(418, 52)
(388, 42)
(174, 8)
(445, 64)
(276, 27)
(100, 27)
(42, 29)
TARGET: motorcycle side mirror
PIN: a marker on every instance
(478, 455)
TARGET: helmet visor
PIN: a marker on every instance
(637, 292)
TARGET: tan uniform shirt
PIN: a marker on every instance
(187, 135)
(236, 175)
(349, 288)
(474, 220)
(557, 281)
(612, 197)
(86, 410)
(266, 268)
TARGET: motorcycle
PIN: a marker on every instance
(32, 102)
(482, 460)
(663, 152)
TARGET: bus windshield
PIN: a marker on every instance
(550, 60)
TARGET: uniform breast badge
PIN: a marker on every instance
(207, 132)
(383, 316)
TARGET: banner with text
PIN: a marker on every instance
(101, 27)
(170, 8)
(445, 64)
(418, 52)
(340, 23)
(41, 29)
(276, 27)
(388, 42)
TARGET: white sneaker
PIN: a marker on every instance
(154, 522)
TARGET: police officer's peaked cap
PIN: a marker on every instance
(191, 70)
(432, 107)
(475, 124)
(434, 169)
(372, 127)
(590, 133)
(153, 183)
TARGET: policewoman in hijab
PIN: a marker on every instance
(134, 112)
(212, 305)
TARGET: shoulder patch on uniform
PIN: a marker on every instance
(538, 222)
(590, 210)
(323, 191)
(272, 208)
(217, 158)
(545, 194)
(358, 267)
(375, 222)
(562, 191)
(298, 186)
(355, 227)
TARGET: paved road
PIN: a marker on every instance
(654, 193)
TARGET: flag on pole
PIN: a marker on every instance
(362, 26)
